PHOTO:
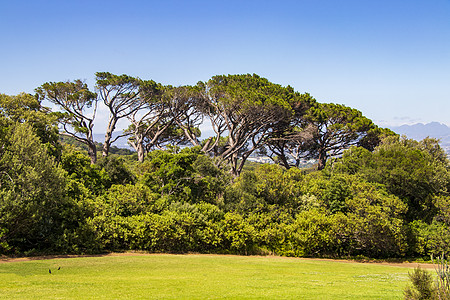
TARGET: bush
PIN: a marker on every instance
(187, 175)
(430, 239)
(35, 212)
(422, 286)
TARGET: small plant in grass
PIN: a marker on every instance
(443, 278)
(422, 287)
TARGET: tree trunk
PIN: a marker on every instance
(284, 161)
(138, 145)
(140, 151)
(322, 159)
(108, 136)
(234, 165)
(92, 152)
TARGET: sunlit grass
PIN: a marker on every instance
(198, 277)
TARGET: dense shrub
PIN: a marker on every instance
(36, 213)
(80, 169)
(187, 175)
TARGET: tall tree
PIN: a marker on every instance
(121, 95)
(287, 144)
(188, 107)
(79, 106)
(336, 128)
(174, 117)
(246, 108)
(151, 122)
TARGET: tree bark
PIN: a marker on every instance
(92, 152)
(140, 151)
(108, 136)
(322, 159)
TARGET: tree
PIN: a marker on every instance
(188, 175)
(365, 218)
(374, 137)
(79, 107)
(246, 108)
(287, 143)
(190, 106)
(157, 123)
(124, 96)
(336, 128)
(91, 176)
(27, 108)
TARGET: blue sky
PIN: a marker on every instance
(389, 59)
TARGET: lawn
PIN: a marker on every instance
(199, 277)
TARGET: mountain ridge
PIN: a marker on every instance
(419, 131)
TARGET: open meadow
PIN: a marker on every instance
(199, 277)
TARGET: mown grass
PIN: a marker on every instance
(199, 277)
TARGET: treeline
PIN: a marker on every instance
(246, 113)
(385, 196)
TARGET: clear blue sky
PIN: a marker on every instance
(389, 58)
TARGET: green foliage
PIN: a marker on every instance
(26, 108)
(374, 137)
(239, 235)
(407, 169)
(265, 186)
(430, 239)
(388, 197)
(80, 169)
(187, 175)
(311, 234)
(246, 108)
(336, 128)
(169, 173)
(116, 169)
(422, 286)
(78, 105)
(369, 220)
(35, 212)
(336, 194)
(180, 228)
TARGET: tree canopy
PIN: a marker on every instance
(79, 107)
(246, 108)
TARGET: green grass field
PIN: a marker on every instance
(199, 277)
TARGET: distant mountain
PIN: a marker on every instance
(420, 131)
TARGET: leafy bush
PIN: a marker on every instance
(80, 169)
(413, 171)
(187, 175)
(35, 211)
(117, 172)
